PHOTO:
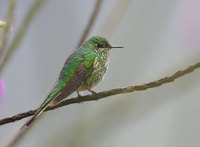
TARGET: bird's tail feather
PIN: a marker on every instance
(42, 107)
(35, 116)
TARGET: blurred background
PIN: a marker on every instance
(160, 37)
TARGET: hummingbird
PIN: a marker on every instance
(82, 70)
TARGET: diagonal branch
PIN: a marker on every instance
(37, 4)
(106, 94)
(90, 22)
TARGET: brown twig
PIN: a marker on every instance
(6, 30)
(91, 21)
(108, 93)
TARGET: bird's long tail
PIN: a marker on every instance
(42, 107)
(30, 121)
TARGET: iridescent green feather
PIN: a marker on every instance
(80, 56)
(82, 71)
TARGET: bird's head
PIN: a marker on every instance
(98, 43)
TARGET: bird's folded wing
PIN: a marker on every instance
(81, 75)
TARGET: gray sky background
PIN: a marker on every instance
(158, 41)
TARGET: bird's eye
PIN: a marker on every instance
(99, 45)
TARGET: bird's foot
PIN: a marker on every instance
(78, 94)
(93, 92)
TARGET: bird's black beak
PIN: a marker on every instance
(116, 47)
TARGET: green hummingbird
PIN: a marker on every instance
(82, 70)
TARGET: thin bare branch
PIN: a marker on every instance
(22, 30)
(91, 21)
(106, 94)
(114, 17)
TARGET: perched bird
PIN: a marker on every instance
(83, 70)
